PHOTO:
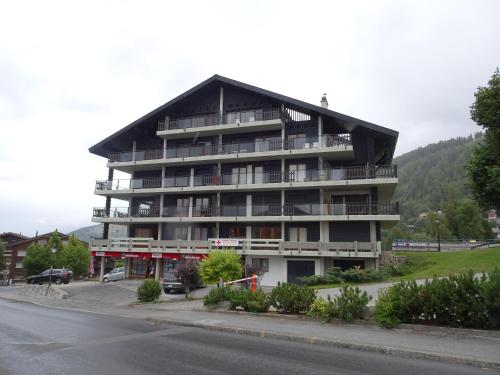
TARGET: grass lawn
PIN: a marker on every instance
(423, 265)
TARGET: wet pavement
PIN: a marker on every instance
(42, 340)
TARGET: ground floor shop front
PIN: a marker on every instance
(273, 269)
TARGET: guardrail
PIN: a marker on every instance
(237, 147)
(211, 119)
(242, 246)
(289, 209)
(268, 177)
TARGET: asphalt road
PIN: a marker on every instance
(40, 340)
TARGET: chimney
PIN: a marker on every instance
(324, 102)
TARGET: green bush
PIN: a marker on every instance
(491, 294)
(359, 275)
(460, 300)
(350, 304)
(292, 299)
(148, 291)
(225, 264)
(322, 309)
(386, 311)
(257, 301)
(216, 295)
(313, 280)
(334, 275)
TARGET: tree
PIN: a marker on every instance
(484, 166)
(55, 242)
(38, 259)
(225, 264)
(2, 256)
(74, 256)
(188, 275)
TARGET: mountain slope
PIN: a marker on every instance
(426, 174)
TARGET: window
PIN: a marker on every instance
(297, 172)
(182, 206)
(200, 234)
(298, 234)
(237, 232)
(139, 267)
(266, 232)
(261, 264)
(180, 233)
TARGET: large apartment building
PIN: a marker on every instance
(295, 188)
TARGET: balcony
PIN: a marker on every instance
(325, 144)
(301, 178)
(230, 120)
(286, 211)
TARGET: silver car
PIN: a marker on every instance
(114, 275)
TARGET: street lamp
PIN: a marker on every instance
(53, 250)
(439, 237)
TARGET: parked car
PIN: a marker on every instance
(59, 276)
(172, 284)
(114, 275)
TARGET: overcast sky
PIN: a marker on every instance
(72, 73)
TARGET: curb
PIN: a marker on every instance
(312, 340)
(469, 332)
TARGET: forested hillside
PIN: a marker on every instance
(427, 173)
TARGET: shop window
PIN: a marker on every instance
(261, 264)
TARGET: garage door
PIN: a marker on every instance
(299, 268)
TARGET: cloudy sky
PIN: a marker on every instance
(73, 72)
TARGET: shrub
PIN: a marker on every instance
(358, 275)
(386, 311)
(490, 291)
(225, 264)
(313, 280)
(350, 304)
(292, 299)
(460, 300)
(216, 295)
(257, 301)
(149, 291)
(188, 275)
(322, 309)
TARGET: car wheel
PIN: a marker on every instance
(105, 280)
(40, 282)
(66, 282)
(166, 291)
(58, 281)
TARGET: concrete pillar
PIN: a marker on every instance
(157, 269)
(217, 229)
(133, 150)
(249, 205)
(221, 104)
(191, 177)
(165, 147)
(320, 129)
(103, 265)
(373, 232)
(283, 236)
(249, 232)
(126, 266)
(190, 208)
(249, 174)
(190, 234)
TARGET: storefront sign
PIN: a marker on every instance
(156, 255)
(100, 254)
(230, 242)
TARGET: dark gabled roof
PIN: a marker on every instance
(98, 148)
(62, 235)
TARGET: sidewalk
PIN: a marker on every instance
(479, 348)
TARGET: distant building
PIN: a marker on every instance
(17, 249)
(295, 188)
